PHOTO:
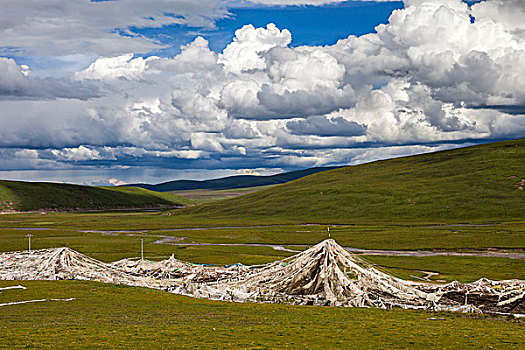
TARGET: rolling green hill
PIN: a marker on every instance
(478, 183)
(26, 196)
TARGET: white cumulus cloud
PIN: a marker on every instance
(119, 67)
(244, 53)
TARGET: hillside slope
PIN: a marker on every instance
(231, 182)
(473, 183)
(25, 196)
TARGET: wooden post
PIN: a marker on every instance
(29, 236)
(142, 249)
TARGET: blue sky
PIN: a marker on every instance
(101, 92)
(310, 25)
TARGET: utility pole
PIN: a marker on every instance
(29, 236)
(142, 249)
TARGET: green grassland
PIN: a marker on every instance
(450, 268)
(211, 195)
(119, 317)
(367, 236)
(112, 316)
(469, 184)
(27, 196)
(65, 229)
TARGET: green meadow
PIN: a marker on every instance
(111, 316)
(111, 236)
(212, 195)
(118, 317)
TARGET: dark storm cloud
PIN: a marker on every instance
(322, 126)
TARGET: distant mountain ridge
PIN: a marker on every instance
(231, 182)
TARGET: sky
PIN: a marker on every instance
(126, 91)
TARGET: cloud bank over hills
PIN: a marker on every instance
(440, 73)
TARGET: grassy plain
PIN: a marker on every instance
(119, 317)
(416, 235)
(211, 195)
(450, 268)
(110, 316)
(112, 236)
